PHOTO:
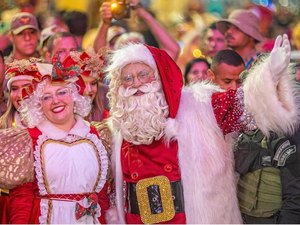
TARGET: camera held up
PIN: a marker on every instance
(120, 9)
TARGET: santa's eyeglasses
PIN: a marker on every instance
(143, 76)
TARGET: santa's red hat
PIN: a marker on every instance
(169, 72)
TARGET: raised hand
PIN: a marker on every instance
(280, 56)
(105, 12)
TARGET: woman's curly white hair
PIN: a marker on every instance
(31, 109)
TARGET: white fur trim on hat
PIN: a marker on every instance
(130, 53)
(43, 68)
(20, 77)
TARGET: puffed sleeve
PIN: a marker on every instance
(16, 158)
(104, 134)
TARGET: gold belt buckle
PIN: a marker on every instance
(162, 184)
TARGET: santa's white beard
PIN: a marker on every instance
(141, 119)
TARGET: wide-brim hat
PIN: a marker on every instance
(243, 19)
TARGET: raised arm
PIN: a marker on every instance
(280, 57)
(101, 37)
(165, 40)
(269, 93)
(267, 99)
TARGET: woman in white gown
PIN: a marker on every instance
(60, 164)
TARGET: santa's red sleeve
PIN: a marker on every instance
(228, 110)
(259, 103)
(21, 203)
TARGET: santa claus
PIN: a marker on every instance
(171, 162)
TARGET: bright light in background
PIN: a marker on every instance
(114, 5)
(197, 53)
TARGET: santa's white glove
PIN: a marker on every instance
(280, 57)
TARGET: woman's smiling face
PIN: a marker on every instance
(58, 105)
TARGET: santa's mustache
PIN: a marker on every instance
(146, 88)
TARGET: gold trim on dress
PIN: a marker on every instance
(50, 208)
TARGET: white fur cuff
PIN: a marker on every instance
(274, 107)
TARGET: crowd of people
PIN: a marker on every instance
(127, 131)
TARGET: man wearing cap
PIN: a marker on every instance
(45, 35)
(24, 35)
(241, 31)
(170, 158)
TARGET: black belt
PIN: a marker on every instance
(154, 198)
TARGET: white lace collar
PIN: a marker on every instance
(81, 128)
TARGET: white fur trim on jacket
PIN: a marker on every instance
(111, 216)
(274, 107)
(206, 161)
(118, 175)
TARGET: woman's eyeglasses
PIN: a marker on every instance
(60, 94)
